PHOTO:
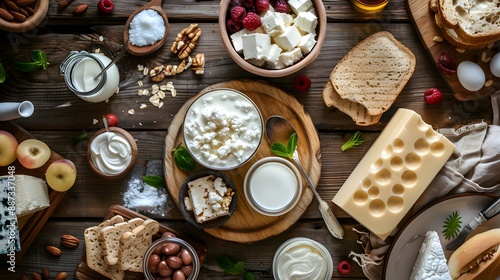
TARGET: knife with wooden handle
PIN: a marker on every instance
(487, 213)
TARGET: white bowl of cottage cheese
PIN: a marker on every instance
(222, 129)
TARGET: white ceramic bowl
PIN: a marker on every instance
(273, 186)
(222, 129)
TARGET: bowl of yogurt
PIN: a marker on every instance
(112, 153)
(302, 258)
(222, 129)
(272, 186)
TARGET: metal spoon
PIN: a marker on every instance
(279, 129)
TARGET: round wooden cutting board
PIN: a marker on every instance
(246, 225)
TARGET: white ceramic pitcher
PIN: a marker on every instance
(14, 110)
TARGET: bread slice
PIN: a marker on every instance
(94, 253)
(133, 245)
(374, 72)
(109, 238)
(357, 112)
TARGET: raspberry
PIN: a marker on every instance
(433, 96)
(261, 6)
(302, 83)
(344, 267)
(248, 3)
(238, 13)
(233, 26)
(235, 3)
(281, 6)
(105, 6)
(252, 21)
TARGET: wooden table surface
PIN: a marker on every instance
(88, 201)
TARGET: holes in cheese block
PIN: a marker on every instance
(398, 145)
(366, 183)
(383, 177)
(387, 152)
(413, 161)
(373, 192)
(398, 189)
(396, 163)
(377, 208)
(360, 197)
(395, 204)
(421, 146)
(422, 125)
(431, 135)
(376, 165)
(437, 149)
(409, 178)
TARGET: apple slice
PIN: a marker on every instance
(33, 153)
(8, 148)
(61, 175)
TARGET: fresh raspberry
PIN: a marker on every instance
(433, 96)
(261, 6)
(233, 26)
(302, 83)
(238, 13)
(235, 3)
(105, 6)
(252, 21)
(344, 267)
(281, 6)
(248, 3)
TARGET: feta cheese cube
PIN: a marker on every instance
(287, 18)
(288, 39)
(236, 38)
(256, 62)
(274, 54)
(307, 43)
(278, 65)
(256, 45)
(290, 57)
(272, 24)
(306, 22)
(298, 6)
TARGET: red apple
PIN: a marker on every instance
(33, 153)
(8, 147)
(61, 175)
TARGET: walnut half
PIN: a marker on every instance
(198, 64)
(186, 41)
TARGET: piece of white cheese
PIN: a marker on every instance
(273, 55)
(298, 6)
(431, 262)
(9, 233)
(272, 23)
(287, 18)
(31, 195)
(236, 38)
(290, 57)
(307, 43)
(256, 45)
(306, 22)
(288, 39)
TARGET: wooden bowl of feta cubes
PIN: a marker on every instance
(272, 38)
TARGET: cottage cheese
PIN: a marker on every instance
(222, 129)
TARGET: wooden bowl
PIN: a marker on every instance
(40, 10)
(131, 164)
(273, 73)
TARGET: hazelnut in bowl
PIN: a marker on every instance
(171, 257)
(207, 198)
(222, 129)
(273, 38)
(22, 15)
(111, 153)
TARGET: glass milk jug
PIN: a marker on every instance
(80, 69)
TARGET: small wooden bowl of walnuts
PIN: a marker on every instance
(22, 15)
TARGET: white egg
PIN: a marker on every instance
(495, 65)
(470, 75)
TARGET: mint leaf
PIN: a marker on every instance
(154, 181)
(183, 159)
(233, 268)
(27, 66)
(279, 149)
(2, 74)
(248, 276)
(38, 59)
(292, 144)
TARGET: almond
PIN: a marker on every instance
(45, 274)
(61, 276)
(30, 10)
(36, 276)
(54, 251)
(18, 16)
(24, 12)
(62, 4)
(4, 14)
(69, 241)
(11, 6)
(24, 277)
(80, 9)
(23, 3)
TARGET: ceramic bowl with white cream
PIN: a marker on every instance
(222, 129)
(112, 153)
(302, 258)
(272, 186)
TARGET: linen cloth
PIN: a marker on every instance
(473, 168)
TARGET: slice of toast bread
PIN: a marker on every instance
(94, 254)
(356, 111)
(374, 72)
(133, 245)
(109, 237)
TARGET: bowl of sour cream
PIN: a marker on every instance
(112, 153)
(302, 258)
(222, 129)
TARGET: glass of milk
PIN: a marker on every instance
(80, 69)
